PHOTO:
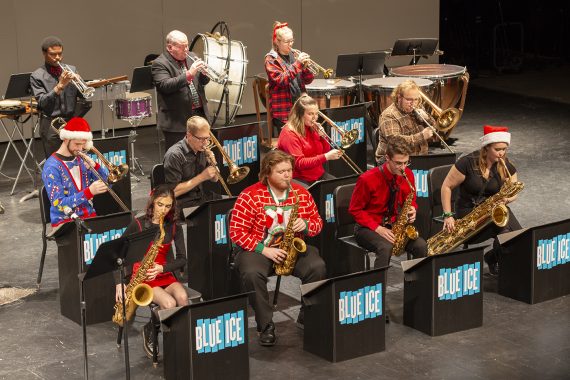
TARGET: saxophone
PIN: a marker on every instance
(402, 230)
(490, 210)
(290, 244)
(137, 293)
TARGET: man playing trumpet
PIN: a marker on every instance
(68, 177)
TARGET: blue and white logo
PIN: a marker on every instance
(453, 283)
(241, 151)
(348, 125)
(420, 177)
(553, 252)
(114, 157)
(329, 208)
(91, 242)
(219, 333)
(356, 306)
(220, 233)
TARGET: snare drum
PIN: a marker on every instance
(379, 90)
(332, 93)
(450, 82)
(136, 105)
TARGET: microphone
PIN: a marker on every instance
(71, 214)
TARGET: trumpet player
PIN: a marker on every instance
(301, 137)
(399, 119)
(179, 85)
(286, 74)
(55, 96)
(69, 182)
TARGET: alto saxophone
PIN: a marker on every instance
(490, 210)
(137, 293)
(402, 230)
(290, 244)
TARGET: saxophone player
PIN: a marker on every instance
(259, 223)
(376, 202)
(167, 292)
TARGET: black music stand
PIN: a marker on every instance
(367, 63)
(416, 47)
(19, 86)
(113, 255)
(142, 79)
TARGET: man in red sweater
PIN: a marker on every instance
(258, 222)
(376, 201)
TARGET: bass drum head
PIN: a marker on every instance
(214, 52)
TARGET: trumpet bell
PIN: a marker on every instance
(448, 119)
(348, 138)
(142, 294)
(237, 174)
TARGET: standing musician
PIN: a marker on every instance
(188, 163)
(68, 177)
(399, 120)
(168, 292)
(53, 92)
(301, 138)
(479, 176)
(287, 76)
(179, 85)
(258, 224)
(376, 202)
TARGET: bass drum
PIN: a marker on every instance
(214, 52)
(332, 93)
(379, 91)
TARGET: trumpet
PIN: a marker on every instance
(116, 172)
(446, 119)
(81, 86)
(347, 139)
(418, 112)
(313, 66)
(210, 72)
(237, 173)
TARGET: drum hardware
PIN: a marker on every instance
(313, 66)
(81, 86)
(210, 72)
(446, 119)
(435, 132)
(237, 173)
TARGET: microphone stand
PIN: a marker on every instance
(124, 327)
(82, 304)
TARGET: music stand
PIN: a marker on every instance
(19, 86)
(142, 79)
(114, 255)
(367, 63)
(415, 47)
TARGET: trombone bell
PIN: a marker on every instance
(448, 119)
(348, 138)
(237, 174)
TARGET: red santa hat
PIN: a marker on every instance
(77, 129)
(495, 135)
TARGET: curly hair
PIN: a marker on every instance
(271, 159)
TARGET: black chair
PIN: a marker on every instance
(375, 141)
(157, 176)
(436, 176)
(46, 219)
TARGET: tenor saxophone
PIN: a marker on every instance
(290, 244)
(402, 230)
(137, 293)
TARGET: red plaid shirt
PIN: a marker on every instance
(280, 77)
(252, 215)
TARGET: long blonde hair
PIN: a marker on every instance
(482, 164)
(298, 111)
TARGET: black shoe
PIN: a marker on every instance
(148, 343)
(267, 336)
(301, 319)
(492, 264)
(387, 319)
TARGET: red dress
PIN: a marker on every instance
(162, 279)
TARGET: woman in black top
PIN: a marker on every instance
(479, 175)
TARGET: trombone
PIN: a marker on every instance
(81, 86)
(314, 67)
(210, 72)
(237, 173)
(347, 139)
(418, 113)
(116, 172)
(446, 119)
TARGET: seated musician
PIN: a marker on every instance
(377, 200)
(168, 292)
(259, 222)
(287, 75)
(479, 175)
(301, 138)
(399, 119)
(68, 174)
(55, 95)
(186, 164)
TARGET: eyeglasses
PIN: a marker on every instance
(202, 139)
(412, 100)
(406, 163)
(288, 42)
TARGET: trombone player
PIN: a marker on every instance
(399, 119)
(55, 96)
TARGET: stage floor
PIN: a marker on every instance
(517, 340)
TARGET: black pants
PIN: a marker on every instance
(373, 242)
(50, 139)
(254, 268)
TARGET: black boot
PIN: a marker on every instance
(148, 342)
(491, 260)
(267, 335)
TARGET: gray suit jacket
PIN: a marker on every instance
(173, 94)
(50, 103)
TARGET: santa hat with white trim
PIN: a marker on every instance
(495, 135)
(77, 129)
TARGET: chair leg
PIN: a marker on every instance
(155, 329)
(43, 258)
(276, 293)
(119, 336)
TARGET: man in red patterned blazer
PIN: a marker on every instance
(258, 222)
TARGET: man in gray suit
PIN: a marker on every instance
(179, 85)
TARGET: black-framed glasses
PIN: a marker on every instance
(202, 139)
